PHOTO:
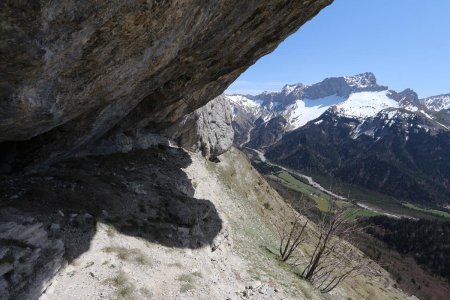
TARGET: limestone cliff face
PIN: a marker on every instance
(207, 129)
(73, 71)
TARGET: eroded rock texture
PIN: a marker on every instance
(29, 255)
(72, 71)
(207, 130)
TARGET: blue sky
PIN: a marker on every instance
(405, 43)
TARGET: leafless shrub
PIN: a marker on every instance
(334, 258)
(291, 231)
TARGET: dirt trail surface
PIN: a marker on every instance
(156, 224)
(153, 224)
(158, 271)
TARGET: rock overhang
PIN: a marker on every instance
(73, 72)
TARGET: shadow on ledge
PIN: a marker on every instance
(143, 193)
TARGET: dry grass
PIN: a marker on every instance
(129, 254)
(125, 289)
(119, 280)
(185, 278)
(185, 287)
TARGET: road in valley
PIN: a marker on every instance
(316, 185)
(311, 181)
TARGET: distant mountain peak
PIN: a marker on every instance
(342, 84)
(409, 94)
(289, 88)
(358, 96)
(363, 80)
(353, 128)
(437, 103)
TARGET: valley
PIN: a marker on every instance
(354, 137)
(350, 143)
(204, 229)
(129, 171)
(369, 203)
(410, 275)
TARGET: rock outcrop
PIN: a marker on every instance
(28, 256)
(207, 129)
(267, 133)
(75, 71)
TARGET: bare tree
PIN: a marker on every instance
(291, 230)
(334, 259)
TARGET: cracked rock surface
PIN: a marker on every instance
(207, 130)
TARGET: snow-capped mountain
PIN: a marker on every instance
(398, 152)
(437, 103)
(356, 96)
(356, 130)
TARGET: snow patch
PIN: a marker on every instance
(426, 115)
(303, 111)
(366, 104)
(411, 107)
(437, 103)
(244, 101)
(357, 132)
(289, 88)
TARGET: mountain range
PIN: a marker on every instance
(356, 131)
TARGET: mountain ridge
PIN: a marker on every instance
(355, 128)
(295, 102)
